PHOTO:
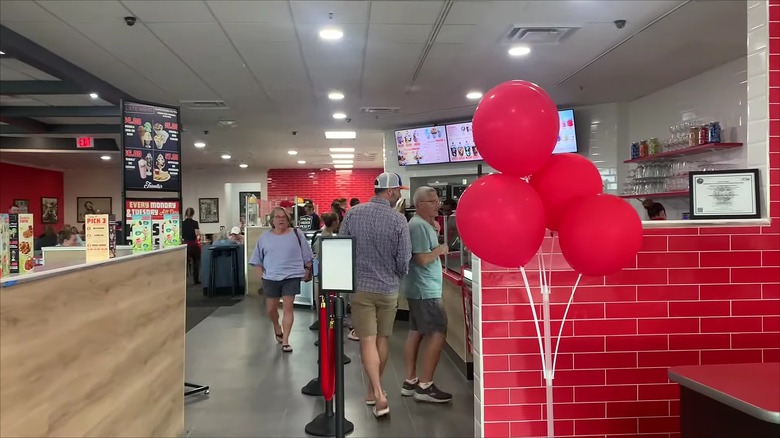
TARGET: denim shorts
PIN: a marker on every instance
(289, 287)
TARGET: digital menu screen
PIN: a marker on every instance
(151, 147)
(567, 138)
(461, 143)
(422, 146)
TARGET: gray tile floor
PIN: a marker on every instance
(256, 390)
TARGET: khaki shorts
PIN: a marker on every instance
(373, 314)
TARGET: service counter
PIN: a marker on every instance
(94, 349)
(74, 255)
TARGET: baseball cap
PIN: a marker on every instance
(389, 180)
(286, 204)
(235, 230)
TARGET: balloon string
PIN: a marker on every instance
(533, 311)
(552, 249)
(563, 321)
(540, 261)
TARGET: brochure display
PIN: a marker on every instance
(141, 233)
(4, 255)
(97, 236)
(170, 231)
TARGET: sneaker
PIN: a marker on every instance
(408, 389)
(431, 394)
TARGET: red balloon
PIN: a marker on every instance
(516, 127)
(563, 180)
(500, 218)
(600, 235)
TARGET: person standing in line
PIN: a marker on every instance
(353, 202)
(383, 253)
(423, 287)
(13, 209)
(282, 258)
(190, 233)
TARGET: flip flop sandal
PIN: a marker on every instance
(380, 412)
(286, 349)
(373, 402)
(279, 337)
(352, 336)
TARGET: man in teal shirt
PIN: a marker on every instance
(423, 286)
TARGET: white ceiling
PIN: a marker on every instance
(265, 60)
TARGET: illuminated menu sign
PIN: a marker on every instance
(460, 139)
(151, 147)
(422, 146)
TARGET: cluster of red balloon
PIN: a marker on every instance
(502, 217)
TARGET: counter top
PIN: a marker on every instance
(57, 269)
(750, 388)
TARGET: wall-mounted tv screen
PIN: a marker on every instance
(426, 145)
(460, 139)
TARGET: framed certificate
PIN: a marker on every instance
(725, 194)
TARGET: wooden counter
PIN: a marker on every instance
(95, 350)
(75, 255)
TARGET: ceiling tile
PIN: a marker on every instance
(10, 74)
(456, 34)
(27, 69)
(241, 33)
(23, 11)
(251, 11)
(405, 12)
(169, 11)
(188, 33)
(85, 11)
(399, 33)
(70, 100)
(317, 12)
(6, 100)
(468, 12)
(278, 66)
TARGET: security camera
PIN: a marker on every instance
(295, 133)
(205, 132)
(620, 24)
(130, 21)
(348, 120)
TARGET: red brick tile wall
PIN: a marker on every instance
(321, 186)
(696, 296)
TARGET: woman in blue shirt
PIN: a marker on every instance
(282, 258)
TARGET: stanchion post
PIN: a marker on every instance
(339, 341)
(313, 388)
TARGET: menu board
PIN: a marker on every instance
(567, 136)
(21, 243)
(422, 146)
(141, 233)
(4, 235)
(111, 236)
(461, 143)
(151, 147)
(171, 235)
(157, 209)
(97, 236)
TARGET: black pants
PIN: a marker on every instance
(193, 255)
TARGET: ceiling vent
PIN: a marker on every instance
(204, 104)
(538, 35)
(227, 123)
(365, 157)
(379, 110)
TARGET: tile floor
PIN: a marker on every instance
(256, 390)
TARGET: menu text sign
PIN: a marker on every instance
(157, 209)
(151, 147)
(97, 234)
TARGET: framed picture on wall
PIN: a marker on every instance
(208, 210)
(23, 205)
(92, 205)
(50, 208)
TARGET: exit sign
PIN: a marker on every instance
(85, 142)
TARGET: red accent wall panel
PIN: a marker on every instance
(30, 183)
(322, 187)
(695, 296)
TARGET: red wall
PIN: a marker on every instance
(321, 186)
(696, 296)
(20, 182)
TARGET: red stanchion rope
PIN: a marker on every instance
(326, 383)
(332, 349)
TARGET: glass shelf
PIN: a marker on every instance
(685, 151)
(659, 195)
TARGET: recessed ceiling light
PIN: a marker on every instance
(342, 149)
(343, 161)
(243, 165)
(339, 116)
(200, 144)
(93, 95)
(292, 152)
(340, 135)
(335, 95)
(519, 51)
(2, 53)
(342, 156)
(473, 95)
(105, 157)
(342, 166)
(226, 156)
(301, 162)
(331, 34)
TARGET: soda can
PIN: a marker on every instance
(644, 148)
(634, 150)
(704, 134)
(654, 146)
(693, 136)
(715, 132)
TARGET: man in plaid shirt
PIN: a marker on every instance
(383, 252)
